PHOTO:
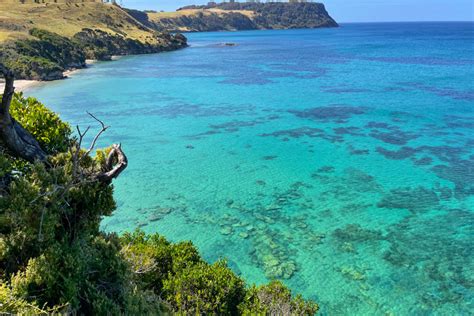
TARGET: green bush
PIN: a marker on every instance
(275, 299)
(205, 289)
(53, 134)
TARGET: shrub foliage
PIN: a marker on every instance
(55, 259)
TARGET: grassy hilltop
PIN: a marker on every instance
(68, 19)
(40, 41)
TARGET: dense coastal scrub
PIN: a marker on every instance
(41, 41)
(47, 55)
(54, 257)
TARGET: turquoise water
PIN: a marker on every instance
(340, 161)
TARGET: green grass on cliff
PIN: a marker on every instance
(16, 20)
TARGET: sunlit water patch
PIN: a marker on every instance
(340, 161)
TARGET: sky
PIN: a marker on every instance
(358, 10)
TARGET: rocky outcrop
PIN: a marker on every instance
(101, 45)
(240, 16)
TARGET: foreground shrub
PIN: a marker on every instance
(275, 299)
(205, 289)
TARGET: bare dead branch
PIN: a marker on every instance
(116, 163)
(94, 141)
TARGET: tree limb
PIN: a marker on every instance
(104, 128)
(116, 162)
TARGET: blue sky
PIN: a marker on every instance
(359, 10)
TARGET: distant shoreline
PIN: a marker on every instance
(22, 85)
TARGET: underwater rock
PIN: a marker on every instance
(226, 230)
(244, 235)
(348, 247)
(154, 217)
(352, 273)
(142, 224)
(271, 252)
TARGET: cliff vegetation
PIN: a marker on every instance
(41, 41)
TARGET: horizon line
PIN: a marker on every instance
(408, 21)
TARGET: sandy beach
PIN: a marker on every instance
(20, 85)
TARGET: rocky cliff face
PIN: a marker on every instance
(47, 55)
(240, 16)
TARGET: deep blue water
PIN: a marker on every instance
(340, 161)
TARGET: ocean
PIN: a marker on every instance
(340, 161)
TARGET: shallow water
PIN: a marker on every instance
(340, 161)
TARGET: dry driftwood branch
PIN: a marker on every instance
(17, 139)
(116, 163)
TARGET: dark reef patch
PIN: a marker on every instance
(442, 92)
(333, 113)
(425, 161)
(402, 153)
(356, 233)
(304, 132)
(395, 138)
(345, 90)
(326, 169)
(350, 130)
(381, 125)
(234, 126)
(455, 121)
(176, 110)
(461, 173)
(413, 199)
(403, 117)
(357, 151)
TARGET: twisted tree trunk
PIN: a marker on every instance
(17, 139)
(23, 145)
